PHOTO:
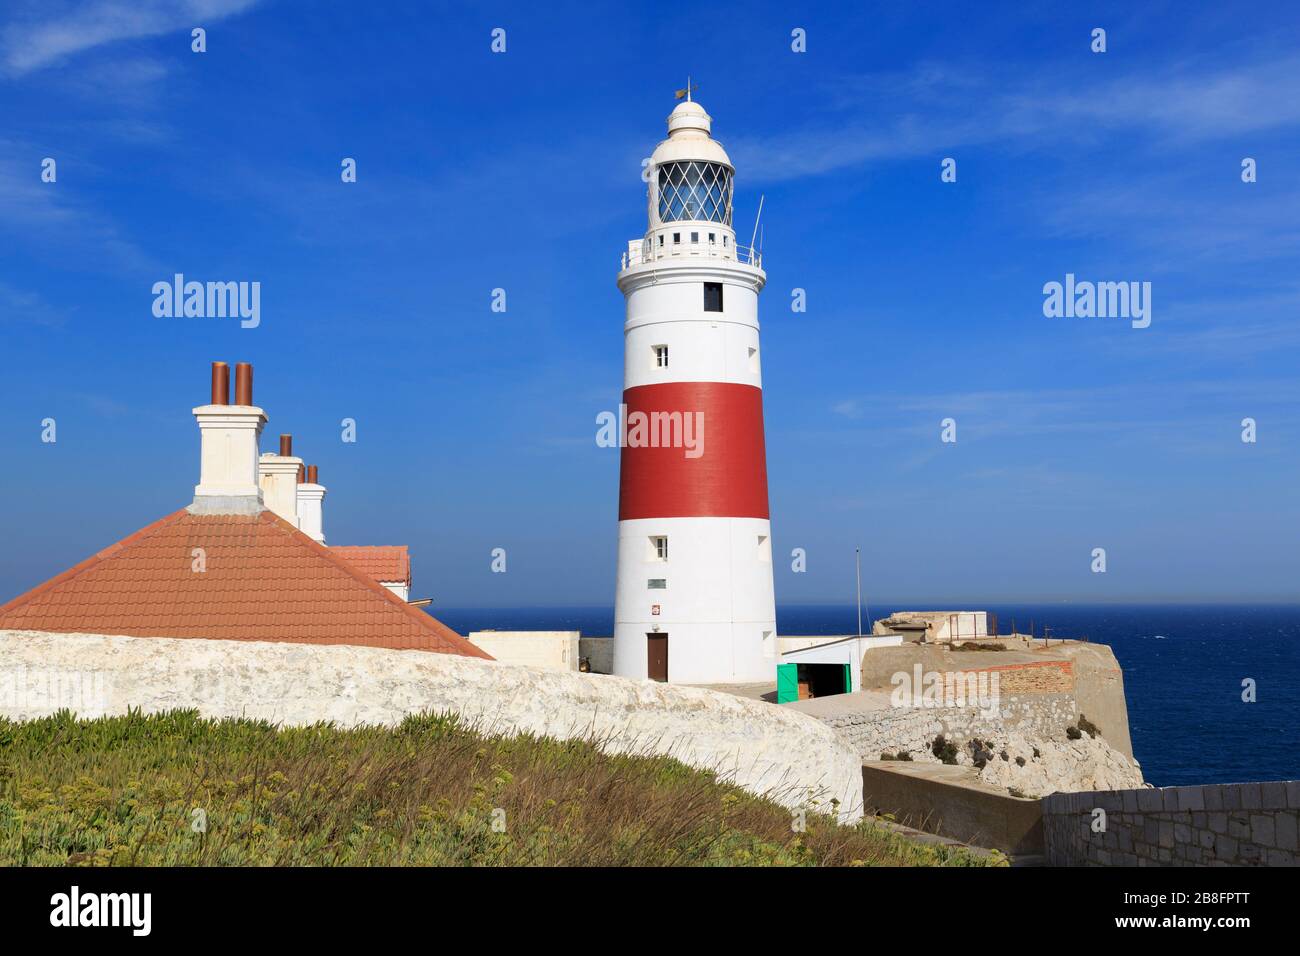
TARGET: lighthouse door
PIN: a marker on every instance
(657, 657)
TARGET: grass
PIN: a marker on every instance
(176, 789)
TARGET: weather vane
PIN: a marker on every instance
(686, 93)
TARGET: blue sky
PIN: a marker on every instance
(476, 429)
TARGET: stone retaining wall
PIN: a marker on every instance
(1238, 824)
(873, 732)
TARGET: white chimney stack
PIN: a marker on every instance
(228, 473)
(278, 476)
(311, 496)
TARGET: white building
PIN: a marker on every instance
(694, 600)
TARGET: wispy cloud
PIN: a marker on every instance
(52, 33)
(19, 306)
(931, 109)
(45, 214)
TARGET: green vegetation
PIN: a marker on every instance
(176, 789)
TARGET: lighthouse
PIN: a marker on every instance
(694, 601)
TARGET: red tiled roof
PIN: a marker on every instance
(264, 581)
(382, 562)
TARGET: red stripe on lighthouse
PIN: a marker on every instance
(727, 479)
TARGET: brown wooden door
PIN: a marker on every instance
(657, 657)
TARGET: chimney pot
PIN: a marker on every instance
(220, 383)
(243, 384)
(312, 475)
(286, 446)
(302, 475)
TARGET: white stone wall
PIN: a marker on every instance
(767, 750)
(552, 650)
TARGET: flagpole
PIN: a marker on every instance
(857, 558)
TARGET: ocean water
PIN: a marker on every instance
(1183, 672)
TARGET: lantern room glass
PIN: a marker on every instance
(695, 191)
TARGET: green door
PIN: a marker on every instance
(848, 678)
(787, 683)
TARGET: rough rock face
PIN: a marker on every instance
(1036, 765)
(1019, 725)
(771, 751)
(1061, 766)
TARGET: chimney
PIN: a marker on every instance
(311, 495)
(228, 434)
(278, 476)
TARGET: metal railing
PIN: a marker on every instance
(746, 255)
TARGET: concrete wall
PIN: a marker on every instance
(1099, 692)
(767, 750)
(1238, 824)
(599, 651)
(935, 798)
(552, 650)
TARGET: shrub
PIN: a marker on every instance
(981, 753)
(944, 749)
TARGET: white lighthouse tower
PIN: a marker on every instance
(694, 602)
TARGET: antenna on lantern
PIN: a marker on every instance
(757, 219)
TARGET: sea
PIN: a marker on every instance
(1187, 672)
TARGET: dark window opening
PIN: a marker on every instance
(822, 680)
(713, 297)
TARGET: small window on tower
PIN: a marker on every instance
(661, 356)
(713, 297)
(753, 360)
(661, 240)
(724, 242)
(659, 547)
(677, 238)
(695, 237)
(712, 239)
(764, 548)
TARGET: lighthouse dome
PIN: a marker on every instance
(689, 126)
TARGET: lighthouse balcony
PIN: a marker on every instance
(689, 244)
